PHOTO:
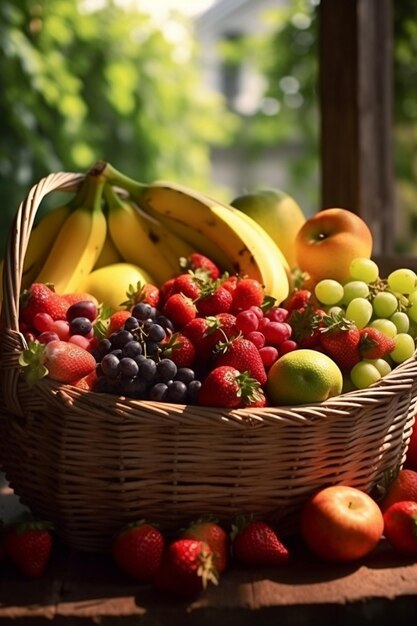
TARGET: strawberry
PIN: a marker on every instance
(196, 330)
(305, 323)
(148, 293)
(188, 284)
(339, 339)
(165, 291)
(87, 382)
(373, 344)
(116, 321)
(243, 355)
(255, 543)
(137, 550)
(209, 531)
(179, 309)
(214, 299)
(40, 298)
(298, 299)
(249, 292)
(400, 526)
(74, 298)
(63, 361)
(29, 546)
(229, 282)
(186, 568)
(180, 349)
(225, 386)
(197, 261)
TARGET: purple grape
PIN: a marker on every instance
(158, 392)
(147, 370)
(185, 374)
(166, 369)
(142, 311)
(177, 391)
(128, 367)
(80, 326)
(132, 349)
(85, 308)
(110, 366)
(156, 333)
(193, 389)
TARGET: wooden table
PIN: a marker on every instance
(83, 589)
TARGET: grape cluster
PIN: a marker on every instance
(390, 305)
(131, 361)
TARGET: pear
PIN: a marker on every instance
(278, 214)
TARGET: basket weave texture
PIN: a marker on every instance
(93, 462)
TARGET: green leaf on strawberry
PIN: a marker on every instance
(32, 363)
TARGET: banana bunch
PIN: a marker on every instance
(230, 238)
(142, 240)
(79, 241)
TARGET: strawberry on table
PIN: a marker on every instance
(255, 543)
(400, 526)
(186, 568)
(137, 550)
(29, 546)
(209, 530)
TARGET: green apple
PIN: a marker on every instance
(278, 213)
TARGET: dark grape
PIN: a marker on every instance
(131, 324)
(133, 387)
(158, 392)
(128, 367)
(166, 369)
(110, 366)
(165, 322)
(147, 369)
(177, 391)
(142, 311)
(185, 374)
(156, 333)
(132, 349)
(80, 326)
(193, 389)
(121, 338)
(85, 308)
(151, 348)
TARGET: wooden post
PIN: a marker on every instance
(356, 93)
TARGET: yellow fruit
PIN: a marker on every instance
(303, 377)
(109, 284)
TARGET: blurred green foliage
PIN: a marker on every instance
(79, 86)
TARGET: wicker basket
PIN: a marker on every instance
(92, 462)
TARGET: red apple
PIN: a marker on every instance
(329, 240)
(341, 523)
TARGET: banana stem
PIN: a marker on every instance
(113, 201)
(115, 177)
(90, 193)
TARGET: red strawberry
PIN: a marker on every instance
(39, 298)
(186, 568)
(299, 299)
(29, 546)
(373, 344)
(63, 361)
(138, 550)
(225, 386)
(148, 293)
(219, 327)
(339, 339)
(214, 299)
(197, 261)
(243, 355)
(230, 282)
(179, 309)
(180, 349)
(256, 544)
(196, 330)
(400, 526)
(165, 291)
(249, 292)
(116, 321)
(209, 531)
(305, 323)
(87, 382)
(188, 284)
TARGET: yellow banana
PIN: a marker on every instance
(248, 249)
(79, 241)
(138, 238)
(41, 240)
(109, 253)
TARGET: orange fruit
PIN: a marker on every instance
(411, 458)
(303, 377)
(403, 487)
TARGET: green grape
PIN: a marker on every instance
(401, 321)
(412, 311)
(404, 348)
(364, 374)
(402, 280)
(328, 291)
(381, 365)
(359, 310)
(364, 269)
(354, 289)
(384, 304)
(412, 298)
(385, 326)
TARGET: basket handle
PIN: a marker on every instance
(12, 341)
